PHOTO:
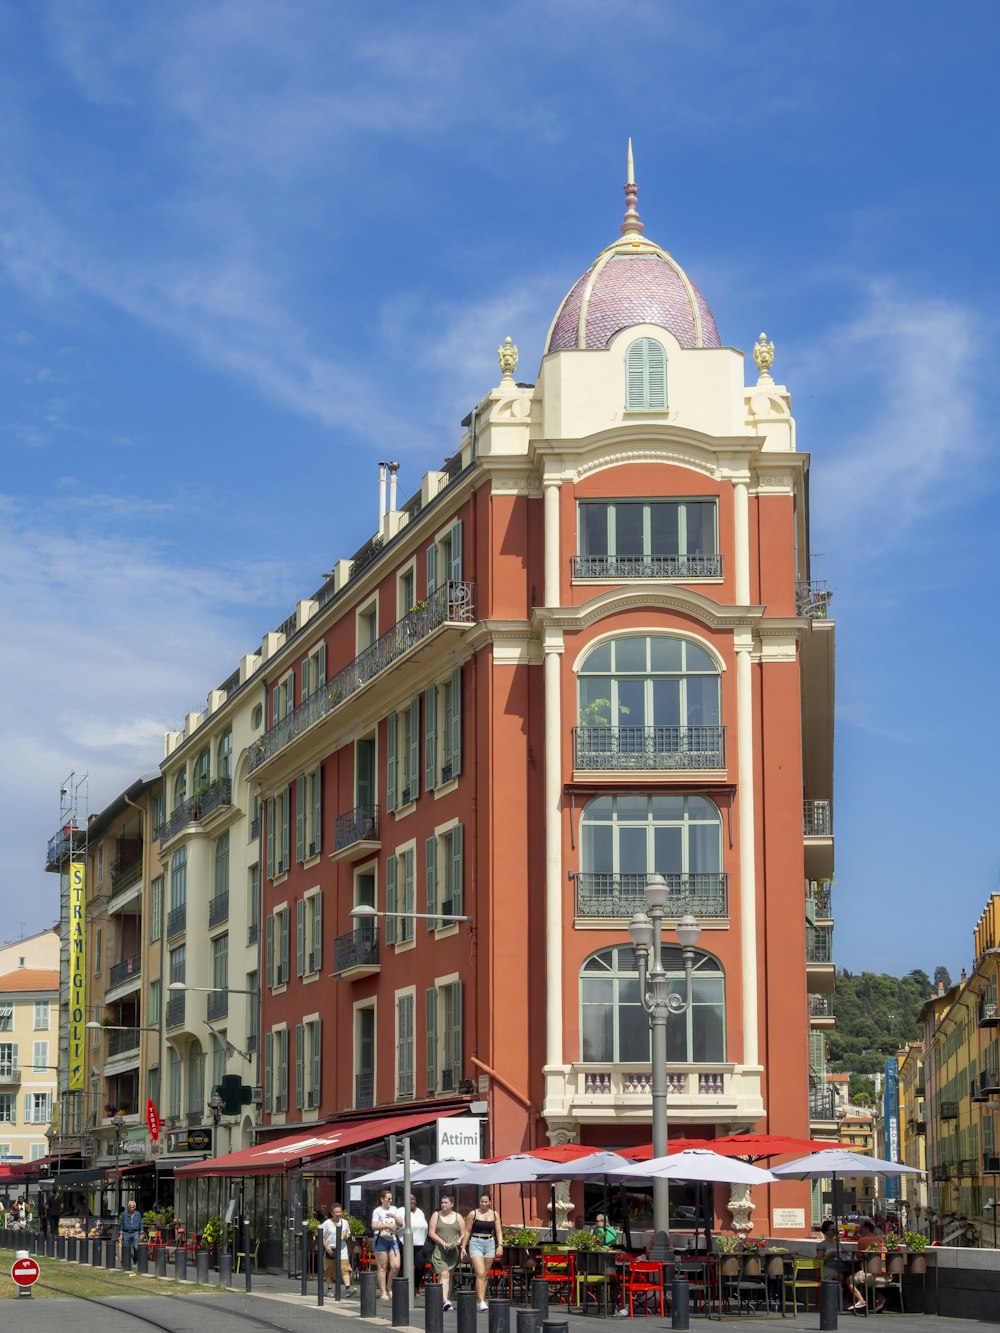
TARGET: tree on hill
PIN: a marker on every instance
(876, 1014)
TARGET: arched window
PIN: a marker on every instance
(180, 788)
(614, 1028)
(650, 702)
(202, 770)
(645, 376)
(224, 755)
(624, 839)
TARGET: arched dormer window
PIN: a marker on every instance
(180, 789)
(614, 1028)
(645, 376)
(224, 754)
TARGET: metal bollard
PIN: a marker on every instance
(498, 1319)
(60, 1247)
(433, 1308)
(97, 1252)
(180, 1264)
(320, 1275)
(72, 1248)
(680, 1293)
(201, 1267)
(400, 1302)
(465, 1311)
(225, 1269)
(829, 1303)
(369, 1294)
(126, 1256)
(304, 1263)
(540, 1297)
(142, 1260)
(555, 1326)
(161, 1261)
(110, 1257)
(529, 1321)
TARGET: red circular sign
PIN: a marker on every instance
(24, 1272)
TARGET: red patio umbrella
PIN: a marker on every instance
(644, 1153)
(755, 1146)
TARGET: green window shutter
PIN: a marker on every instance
(430, 879)
(317, 933)
(430, 738)
(320, 665)
(300, 818)
(646, 376)
(432, 568)
(656, 376)
(409, 897)
(300, 937)
(304, 690)
(455, 739)
(454, 1037)
(283, 1070)
(269, 1069)
(391, 781)
(269, 949)
(455, 572)
(391, 899)
(275, 705)
(431, 1039)
(300, 1065)
(283, 951)
(270, 838)
(457, 870)
(316, 1061)
(316, 842)
(286, 802)
(413, 756)
(635, 376)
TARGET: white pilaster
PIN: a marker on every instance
(741, 534)
(748, 880)
(553, 844)
(551, 493)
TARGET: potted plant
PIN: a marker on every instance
(895, 1257)
(110, 1108)
(916, 1243)
(774, 1260)
(752, 1247)
(583, 1240)
(727, 1243)
(211, 1239)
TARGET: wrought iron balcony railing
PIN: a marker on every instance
(128, 967)
(255, 828)
(820, 893)
(10, 1074)
(358, 948)
(218, 1004)
(989, 1081)
(364, 1089)
(176, 920)
(126, 876)
(706, 895)
(822, 1105)
(175, 1011)
(812, 599)
(649, 749)
(452, 603)
(647, 566)
(121, 1042)
(218, 909)
(253, 930)
(819, 944)
(216, 794)
(821, 1006)
(358, 825)
(816, 821)
(989, 1014)
(948, 1110)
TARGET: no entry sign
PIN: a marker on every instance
(24, 1272)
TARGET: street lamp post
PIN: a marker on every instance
(659, 1002)
(118, 1121)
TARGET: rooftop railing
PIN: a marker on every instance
(647, 566)
(452, 603)
(705, 895)
(649, 749)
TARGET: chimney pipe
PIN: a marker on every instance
(393, 469)
(381, 494)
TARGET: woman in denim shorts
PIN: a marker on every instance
(484, 1243)
(384, 1225)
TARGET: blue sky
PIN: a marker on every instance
(248, 248)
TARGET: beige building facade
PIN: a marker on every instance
(29, 1026)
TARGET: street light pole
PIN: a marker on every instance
(118, 1120)
(660, 1002)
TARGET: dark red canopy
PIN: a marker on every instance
(756, 1146)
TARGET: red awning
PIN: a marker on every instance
(296, 1150)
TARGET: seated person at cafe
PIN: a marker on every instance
(836, 1265)
(603, 1230)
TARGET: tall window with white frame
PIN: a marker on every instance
(224, 756)
(41, 1015)
(444, 875)
(177, 917)
(404, 1044)
(400, 897)
(654, 538)
(443, 731)
(443, 1036)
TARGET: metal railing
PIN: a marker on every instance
(357, 825)
(822, 1105)
(821, 1006)
(820, 893)
(218, 1004)
(10, 1074)
(948, 1110)
(819, 944)
(253, 930)
(816, 821)
(174, 1013)
(120, 1042)
(371, 549)
(125, 876)
(218, 909)
(647, 566)
(703, 894)
(255, 828)
(64, 844)
(452, 603)
(128, 967)
(364, 1089)
(358, 948)
(989, 1080)
(649, 748)
(812, 599)
(216, 794)
(989, 1016)
(176, 920)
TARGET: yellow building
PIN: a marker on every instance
(857, 1128)
(29, 1008)
(912, 1128)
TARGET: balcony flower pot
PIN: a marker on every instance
(775, 1265)
(895, 1263)
(751, 1265)
(917, 1264)
(729, 1265)
(873, 1264)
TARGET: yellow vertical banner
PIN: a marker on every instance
(77, 975)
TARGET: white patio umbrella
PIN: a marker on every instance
(518, 1169)
(595, 1166)
(696, 1164)
(426, 1175)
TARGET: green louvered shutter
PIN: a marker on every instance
(431, 1039)
(409, 896)
(646, 376)
(316, 844)
(286, 807)
(300, 818)
(317, 933)
(430, 880)
(391, 899)
(430, 738)
(455, 738)
(300, 1065)
(304, 689)
(300, 937)
(454, 1035)
(316, 1062)
(455, 572)
(432, 569)
(269, 1070)
(457, 870)
(269, 949)
(391, 781)
(320, 666)
(413, 755)
(283, 949)
(270, 838)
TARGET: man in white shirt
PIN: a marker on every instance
(418, 1226)
(335, 1232)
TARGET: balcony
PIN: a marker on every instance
(948, 1110)
(989, 1017)
(700, 1092)
(976, 1092)
(812, 599)
(356, 954)
(218, 1004)
(255, 828)
(989, 1082)
(454, 603)
(965, 1168)
(70, 841)
(610, 568)
(356, 833)
(653, 749)
(822, 1105)
(10, 1075)
(816, 819)
(216, 795)
(819, 944)
(174, 1014)
(941, 1173)
(821, 1011)
(364, 1090)
(819, 900)
(126, 877)
(706, 896)
(123, 1043)
(253, 931)
(176, 920)
(218, 909)
(126, 970)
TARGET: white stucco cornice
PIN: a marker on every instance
(514, 642)
(722, 458)
(652, 594)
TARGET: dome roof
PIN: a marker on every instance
(633, 281)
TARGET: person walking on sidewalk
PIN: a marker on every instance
(129, 1228)
(336, 1232)
(484, 1240)
(447, 1231)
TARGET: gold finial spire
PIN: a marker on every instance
(507, 356)
(631, 226)
(763, 355)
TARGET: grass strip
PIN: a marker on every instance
(84, 1280)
